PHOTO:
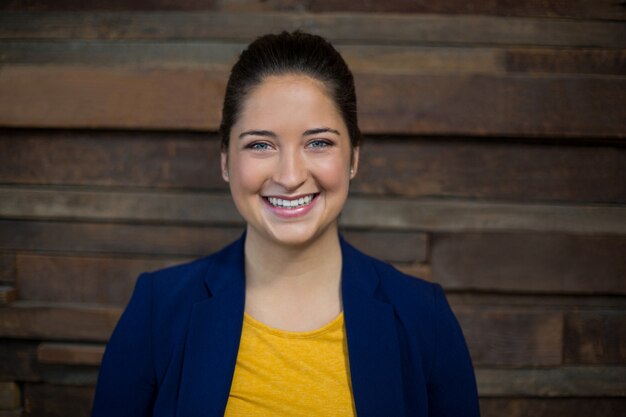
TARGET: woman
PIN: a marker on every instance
(289, 320)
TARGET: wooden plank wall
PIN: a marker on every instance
(494, 163)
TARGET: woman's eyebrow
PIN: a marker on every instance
(268, 133)
(319, 130)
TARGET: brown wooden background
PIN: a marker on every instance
(494, 163)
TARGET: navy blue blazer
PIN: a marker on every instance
(174, 350)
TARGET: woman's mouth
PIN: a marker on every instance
(291, 207)
(291, 203)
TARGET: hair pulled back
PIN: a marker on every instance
(285, 54)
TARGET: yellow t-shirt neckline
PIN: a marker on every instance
(288, 334)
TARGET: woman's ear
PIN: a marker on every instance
(224, 165)
(354, 166)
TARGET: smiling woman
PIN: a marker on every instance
(289, 320)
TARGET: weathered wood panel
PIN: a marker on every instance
(171, 160)
(402, 167)
(583, 381)
(595, 338)
(490, 334)
(82, 279)
(535, 262)
(349, 28)
(557, 407)
(495, 336)
(46, 203)
(367, 59)
(18, 360)
(10, 396)
(58, 321)
(577, 61)
(605, 9)
(114, 238)
(48, 400)
(7, 269)
(70, 353)
(92, 97)
(174, 240)
(8, 294)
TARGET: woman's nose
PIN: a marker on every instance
(291, 171)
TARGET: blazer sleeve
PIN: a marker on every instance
(126, 382)
(452, 385)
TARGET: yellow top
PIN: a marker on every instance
(281, 373)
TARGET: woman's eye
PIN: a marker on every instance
(318, 144)
(259, 146)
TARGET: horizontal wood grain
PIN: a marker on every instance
(10, 396)
(496, 336)
(8, 294)
(595, 338)
(70, 353)
(581, 381)
(28, 320)
(18, 360)
(552, 407)
(101, 280)
(51, 400)
(114, 238)
(367, 59)
(349, 28)
(399, 166)
(491, 334)
(48, 203)
(551, 263)
(191, 99)
(176, 241)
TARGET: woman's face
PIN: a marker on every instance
(289, 160)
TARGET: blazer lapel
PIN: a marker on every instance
(373, 348)
(213, 338)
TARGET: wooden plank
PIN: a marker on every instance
(7, 269)
(495, 105)
(595, 338)
(583, 381)
(111, 97)
(114, 238)
(603, 9)
(170, 160)
(495, 169)
(8, 294)
(120, 206)
(48, 400)
(220, 56)
(501, 337)
(495, 336)
(441, 104)
(18, 360)
(396, 246)
(530, 262)
(11, 413)
(579, 61)
(101, 280)
(58, 322)
(552, 407)
(178, 241)
(351, 28)
(360, 212)
(70, 353)
(10, 396)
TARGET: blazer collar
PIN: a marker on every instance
(215, 328)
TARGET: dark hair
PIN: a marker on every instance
(290, 53)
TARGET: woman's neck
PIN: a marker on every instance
(296, 288)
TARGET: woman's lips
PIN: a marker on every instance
(291, 207)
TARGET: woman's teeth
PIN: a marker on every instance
(290, 204)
